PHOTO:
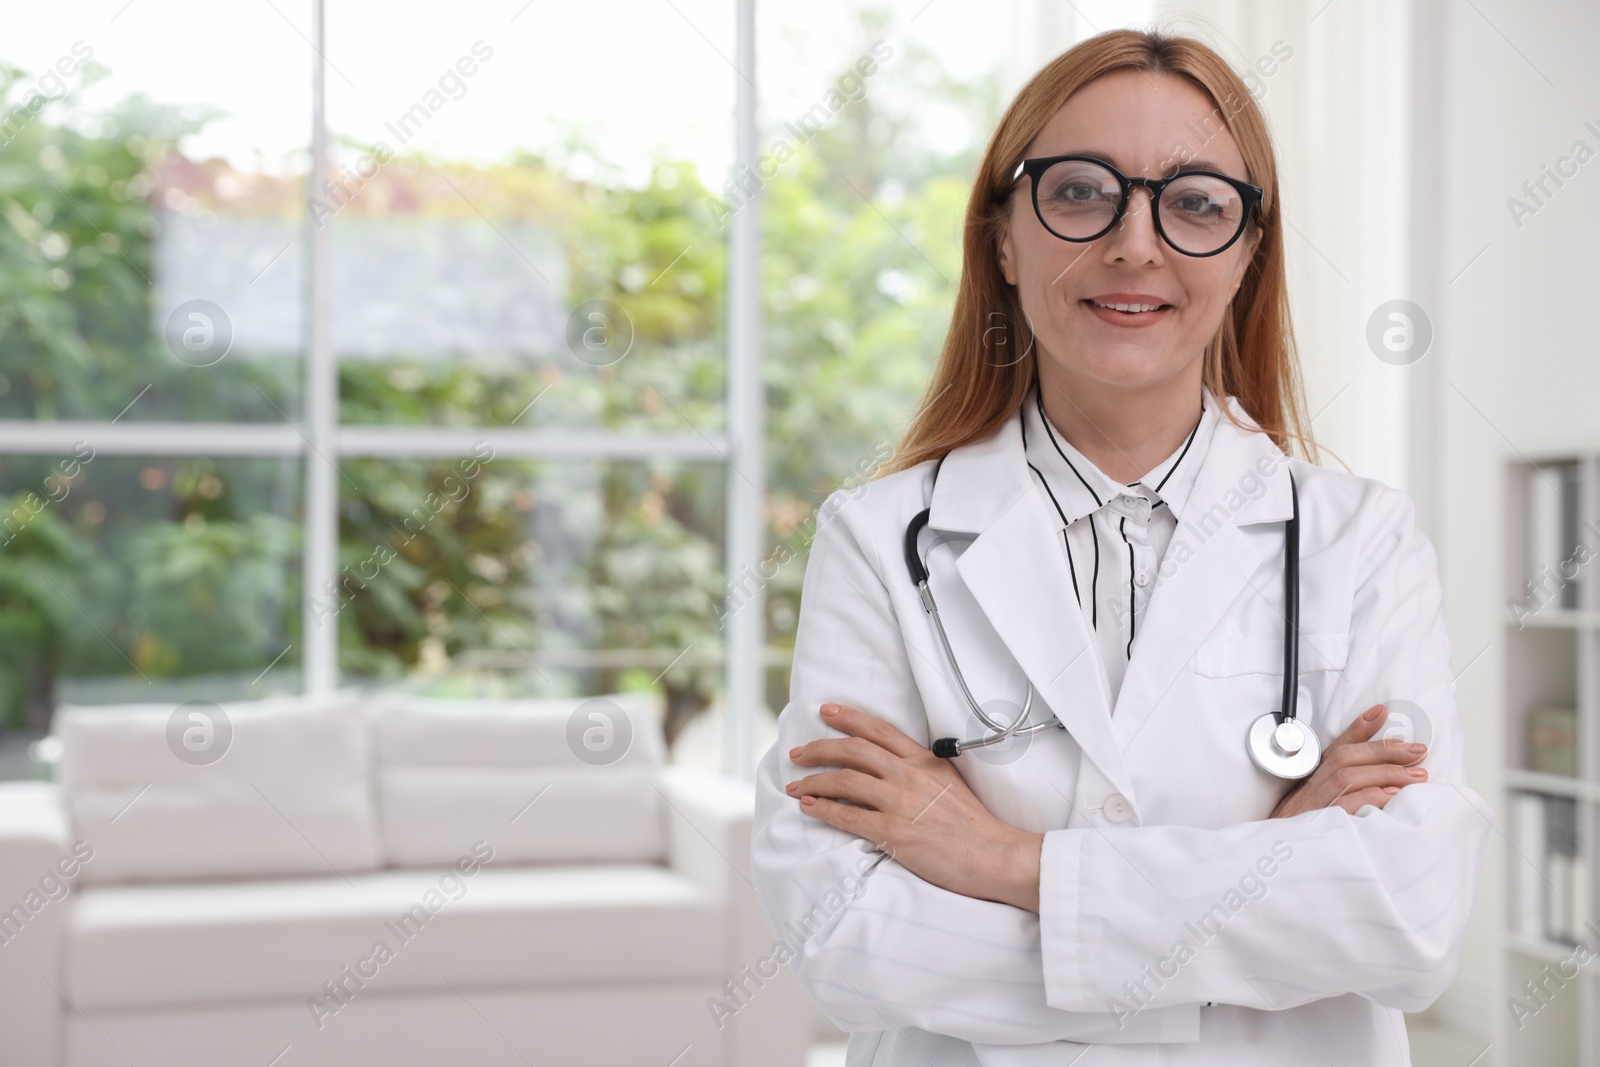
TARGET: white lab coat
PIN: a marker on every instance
(1178, 924)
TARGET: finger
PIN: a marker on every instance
(1363, 753)
(849, 785)
(1350, 800)
(1332, 786)
(1394, 750)
(857, 722)
(1354, 802)
(847, 817)
(855, 752)
(1349, 779)
(1366, 724)
(1306, 799)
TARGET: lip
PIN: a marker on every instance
(1125, 320)
(1127, 298)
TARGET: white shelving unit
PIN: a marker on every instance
(1553, 657)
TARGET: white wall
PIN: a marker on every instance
(1403, 129)
(1338, 108)
(1521, 363)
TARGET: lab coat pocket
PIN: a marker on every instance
(1222, 657)
(1256, 665)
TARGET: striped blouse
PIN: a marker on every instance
(1114, 536)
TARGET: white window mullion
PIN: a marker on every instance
(25, 437)
(745, 679)
(319, 656)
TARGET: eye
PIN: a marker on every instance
(1081, 192)
(1201, 199)
(1197, 204)
(1078, 183)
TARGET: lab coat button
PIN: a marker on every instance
(1116, 808)
(1142, 579)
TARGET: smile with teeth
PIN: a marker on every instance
(1129, 309)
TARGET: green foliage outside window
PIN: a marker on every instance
(166, 568)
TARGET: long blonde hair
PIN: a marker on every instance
(977, 383)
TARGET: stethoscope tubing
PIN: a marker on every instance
(1272, 762)
(1291, 608)
(950, 746)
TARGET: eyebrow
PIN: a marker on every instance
(1187, 164)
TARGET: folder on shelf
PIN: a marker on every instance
(1549, 877)
(1561, 835)
(1553, 532)
(1528, 900)
(1553, 739)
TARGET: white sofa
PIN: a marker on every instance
(383, 879)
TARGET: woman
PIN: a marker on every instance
(1101, 453)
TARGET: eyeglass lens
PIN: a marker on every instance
(1199, 214)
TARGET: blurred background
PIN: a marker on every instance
(457, 350)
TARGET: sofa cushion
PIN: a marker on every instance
(544, 781)
(144, 945)
(271, 787)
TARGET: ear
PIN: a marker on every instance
(1250, 244)
(1008, 263)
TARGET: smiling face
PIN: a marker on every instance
(1146, 125)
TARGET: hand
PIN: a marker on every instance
(917, 808)
(1356, 770)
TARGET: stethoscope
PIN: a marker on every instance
(1278, 742)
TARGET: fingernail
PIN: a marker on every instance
(1372, 712)
(1417, 772)
(1391, 789)
(1417, 748)
(830, 710)
(795, 751)
(789, 788)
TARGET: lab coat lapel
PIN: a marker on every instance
(1210, 561)
(1017, 572)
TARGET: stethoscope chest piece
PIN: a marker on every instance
(1287, 749)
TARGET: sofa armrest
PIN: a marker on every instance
(33, 911)
(765, 1017)
(709, 817)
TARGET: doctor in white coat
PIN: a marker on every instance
(1107, 531)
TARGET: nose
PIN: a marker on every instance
(1134, 238)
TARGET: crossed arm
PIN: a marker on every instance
(1016, 937)
(918, 810)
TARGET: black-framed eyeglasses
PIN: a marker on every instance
(1080, 198)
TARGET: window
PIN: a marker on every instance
(449, 393)
(394, 345)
